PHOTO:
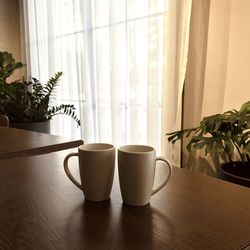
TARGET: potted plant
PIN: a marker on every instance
(28, 102)
(228, 135)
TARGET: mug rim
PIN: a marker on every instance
(142, 149)
(96, 147)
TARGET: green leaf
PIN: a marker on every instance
(227, 133)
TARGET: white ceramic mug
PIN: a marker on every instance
(96, 166)
(136, 167)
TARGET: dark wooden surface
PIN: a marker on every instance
(41, 209)
(16, 142)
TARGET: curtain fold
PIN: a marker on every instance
(176, 55)
(195, 75)
(195, 81)
(123, 61)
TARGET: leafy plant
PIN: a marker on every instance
(28, 101)
(7, 66)
(227, 133)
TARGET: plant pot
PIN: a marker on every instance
(43, 127)
(235, 172)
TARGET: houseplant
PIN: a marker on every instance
(28, 101)
(228, 135)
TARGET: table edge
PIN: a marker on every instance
(42, 150)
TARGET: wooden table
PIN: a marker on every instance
(41, 209)
(16, 142)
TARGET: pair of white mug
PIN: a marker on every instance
(136, 168)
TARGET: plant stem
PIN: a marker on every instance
(228, 156)
(238, 149)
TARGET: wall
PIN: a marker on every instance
(238, 66)
(216, 58)
(227, 76)
(10, 30)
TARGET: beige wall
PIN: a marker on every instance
(238, 67)
(216, 60)
(10, 29)
(227, 75)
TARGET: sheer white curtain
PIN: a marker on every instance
(113, 56)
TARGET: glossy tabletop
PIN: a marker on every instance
(16, 142)
(41, 209)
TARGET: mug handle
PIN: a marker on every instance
(166, 179)
(68, 173)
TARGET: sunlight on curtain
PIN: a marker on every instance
(112, 56)
(175, 56)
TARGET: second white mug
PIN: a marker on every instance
(136, 165)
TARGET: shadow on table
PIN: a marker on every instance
(108, 225)
(144, 227)
(89, 224)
